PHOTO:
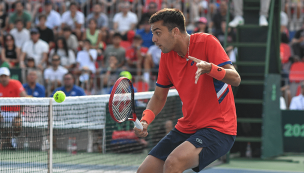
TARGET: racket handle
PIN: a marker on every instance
(138, 124)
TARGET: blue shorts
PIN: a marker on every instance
(214, 143)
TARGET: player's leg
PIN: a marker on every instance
(151, 165)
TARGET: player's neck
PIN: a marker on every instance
(182, 45)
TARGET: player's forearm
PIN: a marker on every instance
(158, 101)
(232, 77)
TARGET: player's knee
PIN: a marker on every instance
(171, 165)
(140, 169)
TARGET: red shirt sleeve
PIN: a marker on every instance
(130, 54)
(215, 52)
(18, 86)
(163, 79)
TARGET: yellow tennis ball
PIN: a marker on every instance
(59, 96)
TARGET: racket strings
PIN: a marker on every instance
(122, 101)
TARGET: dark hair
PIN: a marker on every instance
(153, 3)
(73, 3)
(65, 46)
(17, 2)
(171, 18)
(42, 16)
(67, 28)
(18, 20)
(99, 3)
(117, 35)
(4, 40)
(92, 19)
(69, 73)
(87, 41)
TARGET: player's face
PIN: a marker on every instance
(4, 80)
(162, 37)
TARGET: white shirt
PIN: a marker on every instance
(84, 60)
(297, 103)
(53, 19)
(35, 50)
(155, 52)
(20, 37)
(52, 75)
(125, 22)
(68, 20)
(64, 60)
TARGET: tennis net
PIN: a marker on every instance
(77, 135)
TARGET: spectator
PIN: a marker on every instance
(46, 34)
(53, 18)
(93, 34)
(99, 16)
(125, 20)
(11, 122)
(238, 10)
(146, 34)
(201, 25)
(297, 102)
(152, 8)
(87, 57)
(71, 39)
(69, 88)
(35, 48)
(74, 19)
(152, 61)
(66, 55)
(10, 54)
(115, 50)
(54, 75)
(135, 56)
(3, 17)
(20, 34)
(32, 87)
(298, 44)
(219, 16)
(20, 13)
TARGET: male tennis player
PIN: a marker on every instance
(207, 129)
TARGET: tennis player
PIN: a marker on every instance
(201, 71)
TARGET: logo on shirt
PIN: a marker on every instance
(199, 140)
(35, 93)
(192, 63)
(73, 93)
(219, 69)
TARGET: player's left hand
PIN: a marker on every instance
(202, 67)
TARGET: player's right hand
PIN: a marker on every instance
(144, 132)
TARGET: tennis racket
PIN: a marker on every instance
(121, 102)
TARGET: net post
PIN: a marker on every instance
(50, 128)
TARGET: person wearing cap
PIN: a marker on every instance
(53, 19)
(74, 19)
(297, 102)
(135, 56)
(10, 87)
(20, 13)
(20, 34)
(35, 48)
(201, 25)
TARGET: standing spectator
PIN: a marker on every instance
(20, 13)
(54, 75)
(71, 39)
(53, 20)
(219, 16)
(146, 34)
(125, 20)
(297, 102)
(152, 8)
(20, 34)
(35, 48)
(46, 34)
(298, 44)
(74, 19)
(10, 54)
(87, 57)
(32, 87)
(67, 56)
(115, 50)
(99, 16)
(3, 17)
(93, 34)
(135, 56)
(69, 88)
(152, 61)
(201, 25)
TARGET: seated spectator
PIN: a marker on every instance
(220, 35)
(99, 16)
(201, 25)
(152, 8)
(87, 57)
(135, 56)
(20, 13)
(53, 75)
(220, 15)
(297, 102)
(32, 87)
(10, 87)
(66, 55)
(74, 19)
(10, 54)
(93, 34)
(298, 44)
(69, 88)
(146, 34)
(35, 48)
(125, 20)
(46, 34)
(115, 50)
(3, 17)
(71, 39)
(20, 34)
(53, 18)
(152, 61)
